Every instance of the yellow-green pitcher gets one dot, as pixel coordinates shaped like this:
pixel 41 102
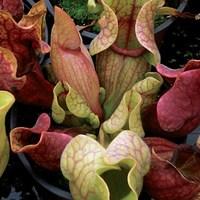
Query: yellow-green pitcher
pixel 6 101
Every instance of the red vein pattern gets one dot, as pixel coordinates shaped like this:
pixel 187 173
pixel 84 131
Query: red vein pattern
pixel 145 27
pixel 71 61
pixel 117 74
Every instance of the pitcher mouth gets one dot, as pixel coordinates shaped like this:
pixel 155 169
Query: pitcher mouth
pixel 6 99
pixel 21 140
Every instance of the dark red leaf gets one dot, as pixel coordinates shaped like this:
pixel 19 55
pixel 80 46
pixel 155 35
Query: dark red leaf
pixel 171 74
pixel 43 146
pixel 177 112
pixel 15 8
pixel 187 161
pixel 37 90
pixel 164 181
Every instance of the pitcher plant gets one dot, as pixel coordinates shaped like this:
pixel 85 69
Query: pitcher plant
pixel 106 104
pixel 6 101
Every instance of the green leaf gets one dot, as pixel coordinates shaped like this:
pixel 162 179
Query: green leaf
pixel 149 87
pixel 117 74
pixel 126 146
pixel 126 12
pixel 117 183
pixel 79 163
pixel 109 30
pixel 58 111
pixel 124 151
pixel 6 101
pixel 144 27
pixel 68 107
pixel 119 118
pixel 114 173
pixel 124 63
pixel 168 11
pixel 135 121
pixel 128 113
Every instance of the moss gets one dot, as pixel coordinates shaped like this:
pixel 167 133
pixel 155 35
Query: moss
pixel 159 20
pixel 78 10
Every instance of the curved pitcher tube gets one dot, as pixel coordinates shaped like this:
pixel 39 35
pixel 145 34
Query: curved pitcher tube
pixel 6 101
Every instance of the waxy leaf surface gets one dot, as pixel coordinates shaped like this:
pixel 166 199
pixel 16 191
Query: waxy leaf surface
pixel 79 162
pixel 126 12
pixel 95 172
pixel 72 62
pixel 167 73
pixel 148 88
pixel 126 146
pixel 36 16
pixel 172 74
pixel 131 102
pixel 187 160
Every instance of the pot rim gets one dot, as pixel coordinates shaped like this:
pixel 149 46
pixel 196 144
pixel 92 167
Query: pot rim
pixel 169 21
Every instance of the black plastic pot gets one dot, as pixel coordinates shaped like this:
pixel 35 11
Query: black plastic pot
pixel 29 115
pixel 161 29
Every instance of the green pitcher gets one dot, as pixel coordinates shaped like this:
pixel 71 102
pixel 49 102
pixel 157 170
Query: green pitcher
pixel 6 101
